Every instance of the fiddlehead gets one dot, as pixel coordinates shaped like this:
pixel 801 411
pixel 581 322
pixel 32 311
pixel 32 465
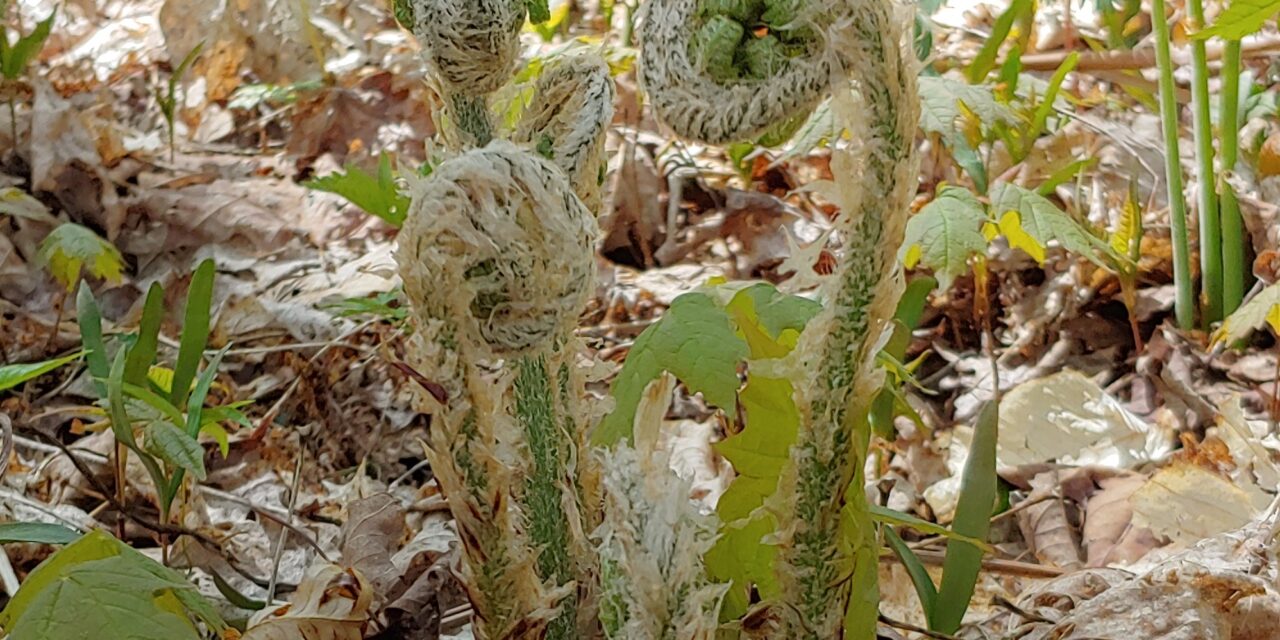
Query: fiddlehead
pixel 497 258
pixel 566 120
pixel 471 48
pixel 826 541
pixel 712 77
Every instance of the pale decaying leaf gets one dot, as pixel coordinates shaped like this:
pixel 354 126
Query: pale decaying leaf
pixel 1109 535
pixel 332 603
pixel 1068 418
pixel 1253 447
pixel 1187 503
pixel 1223 588
pixel 1046 524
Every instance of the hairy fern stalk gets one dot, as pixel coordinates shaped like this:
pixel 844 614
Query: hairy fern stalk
pixel 497 257
pixel 827 558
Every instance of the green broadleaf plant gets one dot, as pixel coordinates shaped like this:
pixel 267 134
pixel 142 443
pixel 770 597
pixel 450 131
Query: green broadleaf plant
pixel 71 248
pixel 169 408
pixel 379 195
pixel 99 587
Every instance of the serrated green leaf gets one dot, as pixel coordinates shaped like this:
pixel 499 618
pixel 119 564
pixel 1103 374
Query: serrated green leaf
pixel 1010 226
pixel 98 587
pixel 940 100
pixel 1042 220
pixel 37 532
pixel 695 341
pixel 1242 18
pixel 16 57
pixel 166 441
pixel 978 490
pixel 1252 315
pixel 378 195
pixel 13 375
pixel 70 248
pixel 947 232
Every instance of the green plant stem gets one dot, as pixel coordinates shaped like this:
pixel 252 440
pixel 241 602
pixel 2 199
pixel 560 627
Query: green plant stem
pixel 1207 193
pixel 1184 303
pixel 1234 268
pixel 544 499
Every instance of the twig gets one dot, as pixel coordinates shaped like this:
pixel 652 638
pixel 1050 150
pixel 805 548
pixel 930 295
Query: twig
pixel 284 533
pixel 907 626
pixel 6 443
pixel 1139 59
pixel 991 565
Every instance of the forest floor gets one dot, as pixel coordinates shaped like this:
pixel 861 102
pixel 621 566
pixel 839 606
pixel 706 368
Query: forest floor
pixel 1123 440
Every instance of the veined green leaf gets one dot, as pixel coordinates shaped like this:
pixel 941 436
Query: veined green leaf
pixel 70 248
pixel 1042 221
pixel 378 195
pixel 696 342
pixel 978 487
pixel 945 234
pixel 13 375
pixel 940 100
pixel 1242 18
pixel 98 587
pixel 1251 316
pixel 166 441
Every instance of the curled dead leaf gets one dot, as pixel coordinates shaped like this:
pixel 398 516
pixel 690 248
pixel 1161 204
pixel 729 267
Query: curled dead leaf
pixel 332 603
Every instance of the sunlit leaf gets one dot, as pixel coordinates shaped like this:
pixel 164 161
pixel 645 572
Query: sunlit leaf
pixel 945 233
pixel 1242 18
pixel 71 248
pixel 1252 315
pixel 12 375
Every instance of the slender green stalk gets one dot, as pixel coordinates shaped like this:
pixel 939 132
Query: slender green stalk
pixel 1234 269
pixel 1207 194
pixel 13 123
pixel 1184 303
pixel 550 448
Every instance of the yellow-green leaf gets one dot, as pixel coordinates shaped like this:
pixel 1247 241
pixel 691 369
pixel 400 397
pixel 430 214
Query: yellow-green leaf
pixel 71 248
pixel 946 233
pixel 1242 18
pixel 1252 315
pixel 1010 226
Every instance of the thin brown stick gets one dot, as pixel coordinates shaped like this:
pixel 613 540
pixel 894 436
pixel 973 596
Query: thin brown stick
pixel 990 565
pixel 907 626
pixel 1140 59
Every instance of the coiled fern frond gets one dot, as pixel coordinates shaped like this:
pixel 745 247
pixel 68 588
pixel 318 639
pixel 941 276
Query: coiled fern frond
pixel 712 77
pixel 497 258
pixel 566 120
